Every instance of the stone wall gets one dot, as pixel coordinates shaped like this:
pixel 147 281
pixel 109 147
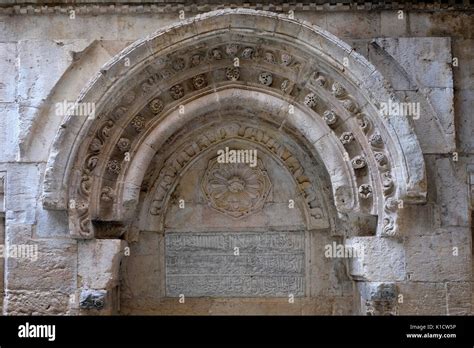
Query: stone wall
pixel 49 57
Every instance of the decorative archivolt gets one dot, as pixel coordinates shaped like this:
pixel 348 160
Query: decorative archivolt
pixel 291 70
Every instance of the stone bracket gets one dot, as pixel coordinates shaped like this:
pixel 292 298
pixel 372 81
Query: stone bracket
pixel 92 299
pixel 378 298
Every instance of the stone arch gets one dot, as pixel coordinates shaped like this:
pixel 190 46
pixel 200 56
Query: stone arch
pixel 334 92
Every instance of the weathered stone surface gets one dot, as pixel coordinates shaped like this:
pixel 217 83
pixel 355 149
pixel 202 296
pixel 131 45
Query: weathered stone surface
pixel 54 260
pixel 23 190
pixel 422 76
pixel 438 258
pixel 382 259
pixel 458 25
pixel 34 302
pixel 99 263
pixel 43 58
pixel 421 298
pixel 419 220
pixel 9 132
pixel 464 71
pixel 393 23
pixel 451 188
pixel 350 25
pixel 464 104
pixel 432 66
pixel 8 71
pixel 459 298
pixel 52 224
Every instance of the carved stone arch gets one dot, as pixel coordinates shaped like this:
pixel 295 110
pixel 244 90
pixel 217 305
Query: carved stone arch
pixel 301 96
pixel 289 64
pixel 335 109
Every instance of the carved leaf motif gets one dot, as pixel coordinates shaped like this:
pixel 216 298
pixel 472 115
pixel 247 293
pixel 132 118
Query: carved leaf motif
pixel 286 86
pixel 247 53
pixel 376 140
pixel 338 90
pixel 365 191
pixel 107 194
pixel 388 226
pixel 95 145
pixel 381 159
pixel 387 182
pixel 232 49
pixel 85 186
pixel 216 54
pixel 104 131
pixel 91 162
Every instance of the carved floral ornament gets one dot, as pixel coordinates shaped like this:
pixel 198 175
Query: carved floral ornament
pixel 236 189
pixel 283 65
